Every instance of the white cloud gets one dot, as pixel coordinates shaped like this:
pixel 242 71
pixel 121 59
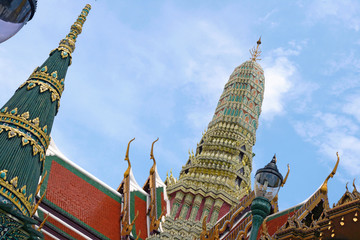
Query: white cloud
pixel 267 19
pixel 352 106
pixel 344 13
pixel 333 133
pixel 278 73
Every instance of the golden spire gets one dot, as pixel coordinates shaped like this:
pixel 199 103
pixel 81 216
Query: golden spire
pixel 255 52
pixel 68 43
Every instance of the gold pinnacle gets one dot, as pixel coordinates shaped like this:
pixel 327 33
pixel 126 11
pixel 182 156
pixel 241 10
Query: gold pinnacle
pixel 255 52
pixel 68 43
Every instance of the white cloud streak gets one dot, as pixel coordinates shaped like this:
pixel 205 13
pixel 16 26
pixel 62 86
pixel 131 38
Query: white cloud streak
pixel 344 13
pixel 333 133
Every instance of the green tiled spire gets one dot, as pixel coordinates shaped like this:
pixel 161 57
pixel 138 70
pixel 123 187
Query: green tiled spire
pixel 26 121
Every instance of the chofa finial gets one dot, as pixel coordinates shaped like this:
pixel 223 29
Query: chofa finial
pixel 324 188
pixel 152 170
pixel 68 43
pixel 152 151
pixel 127 172
pixel 255 52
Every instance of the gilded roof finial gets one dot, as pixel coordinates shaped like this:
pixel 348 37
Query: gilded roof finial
pixel 152 170
pixel 354 185
pixel 127 172
pixel 323 188
pixel 68 43
pixel 255 52
pixel 287 174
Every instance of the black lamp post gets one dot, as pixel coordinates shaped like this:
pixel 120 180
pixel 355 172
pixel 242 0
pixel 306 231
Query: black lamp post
pixel 267 184
pixel 14 14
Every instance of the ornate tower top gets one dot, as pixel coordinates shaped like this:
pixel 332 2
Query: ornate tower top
pixel 26 121
pixel 68 43
pixel 255 52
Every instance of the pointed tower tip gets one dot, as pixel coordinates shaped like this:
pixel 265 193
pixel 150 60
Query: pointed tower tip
pixel 68 43
pixel 274 158
pixel 255 52
pixel 259 41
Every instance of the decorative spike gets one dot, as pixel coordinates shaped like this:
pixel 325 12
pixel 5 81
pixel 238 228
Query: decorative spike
pixel 14 181
pixel 30 86
pixel 41 182
pixel 68 43
pixel 25 115
pixel 44 69
pixel 43 88
pixel 11 134
pixel 4 109
pixel 35 150
pixel 14 111
pixel 54 97
pixel 3 174
pixel 54 74
pixel 25 141
pixel 45 129
pixel 23 190
pixel 37 204
pixel 43 222
pixel 36 122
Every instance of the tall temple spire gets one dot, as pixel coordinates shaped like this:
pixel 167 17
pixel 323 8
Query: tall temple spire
pixel 218 175
pixel 26 121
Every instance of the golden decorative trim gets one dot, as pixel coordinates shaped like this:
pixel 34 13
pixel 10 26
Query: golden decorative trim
pixel 37 149
pixel 15 195
pixel 30 126
pixel 43 87
pixel 50 79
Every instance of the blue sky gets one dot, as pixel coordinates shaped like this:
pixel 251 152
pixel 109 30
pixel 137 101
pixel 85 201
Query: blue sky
pixel 156 69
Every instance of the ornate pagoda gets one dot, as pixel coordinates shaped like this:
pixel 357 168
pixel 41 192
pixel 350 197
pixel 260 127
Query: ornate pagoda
pixel 26 121
pixel 217 176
